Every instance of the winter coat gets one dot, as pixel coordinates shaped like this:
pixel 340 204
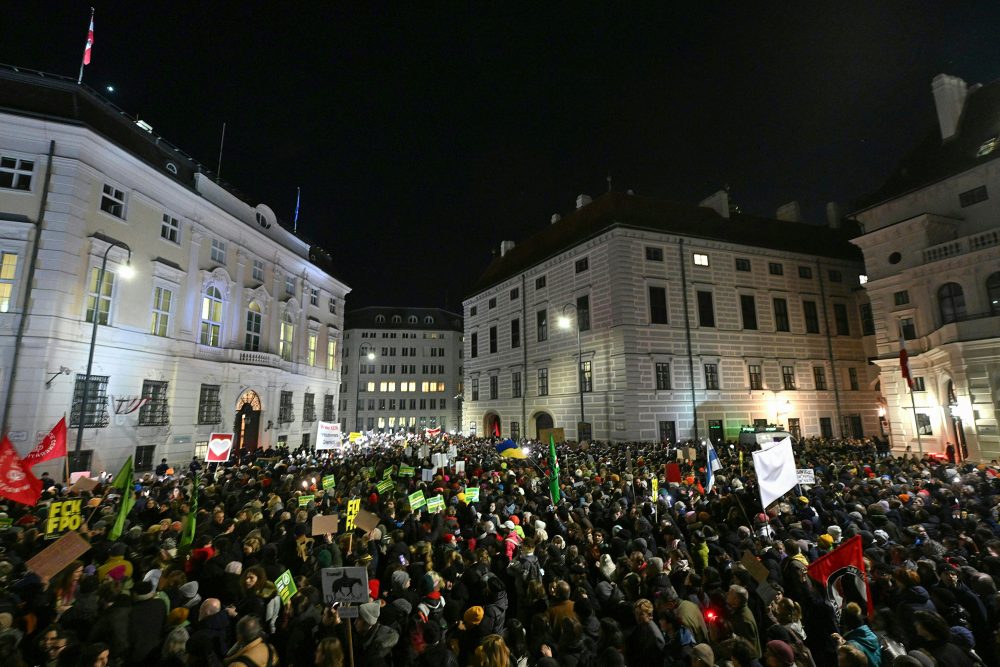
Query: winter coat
pixel 145 629
pixel 645 646
pixel 495 615
pixel 745 626
pixel 864 639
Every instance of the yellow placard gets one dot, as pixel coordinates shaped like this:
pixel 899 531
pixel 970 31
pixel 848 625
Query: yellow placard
pixel 353 507
pixel 354 437
pixel 64 515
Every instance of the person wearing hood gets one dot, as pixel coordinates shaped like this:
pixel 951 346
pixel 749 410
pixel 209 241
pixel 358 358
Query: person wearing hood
pixel 116 566
pixel 858 634
pixel 495 609
pixel 373 641
pixel 146 623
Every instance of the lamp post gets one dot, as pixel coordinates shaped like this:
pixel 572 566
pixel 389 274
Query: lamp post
pixel 357 385
pixel 564 323
pixel 126 272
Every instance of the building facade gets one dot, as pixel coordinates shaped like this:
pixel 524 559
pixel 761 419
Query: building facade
pixel 402 370
pixel 230 323
pixel 931 240
pixel 684 322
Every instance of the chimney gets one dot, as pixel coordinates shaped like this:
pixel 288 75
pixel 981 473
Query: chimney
pixel 555 218
pixel 833 215
pixel 582 201
pixel 719 202
pixel 790 212
pixel 949 98
pixel 506 247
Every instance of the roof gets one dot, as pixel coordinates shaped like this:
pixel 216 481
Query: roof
pixel 367 318
pixel 935 160
pixel 616 209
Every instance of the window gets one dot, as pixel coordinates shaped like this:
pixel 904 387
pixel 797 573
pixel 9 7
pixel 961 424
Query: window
pixel 8 272
pixel 988 146
pixel 540 282
pixel 218 251
pixel 251 342
pixel 515 384
pixel 852 378
pixel 412 319
pixel 658 305
pixel 992 293
pixel 811 315
pixel 775 269
pixel 835 276
pixel 542 326
pixel 918 384
pixel 494 387
pixel 161 311
pixel 170 229
pixel 515 430
pixel 840 319
pixel 742 264
pixel 113 201
pixel 209 405
pixel 211 317
pixel 700 259
pixel 380 319
pixel 788 377
pixel 100 299
pixel 311 352
pixel 515 333
pixel 313 296
pixel 583 313
pixel 95 414
pixel 492 303
pixel 781 315
pixel 901 298
pixel 756 380
pixel 493 340
pixel 907 328
pixel 475 389
pixel 290 285
pixel 286 335
pixel 586 376
pixel 973 196
pixel 951 301
pixel 663 375
pixel 154 412
pixel 309 407
pixel 515 294
pixel 285 414
pixel 332 306
pixel 144 458
pixel 711 376
pixel 582 264
pixel 258 271
pixel 15 173
pixel 924 424
pixel 331 353
pixel 654 254
pixel 706 309
pixel 474 342
pixel 328 408
pixel 867 319
pixel 543 381
pixel 819 378
pixel 748 307
pixel 826 427
pixel 805 272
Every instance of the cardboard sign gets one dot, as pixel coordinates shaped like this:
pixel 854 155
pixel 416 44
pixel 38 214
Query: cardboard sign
pixel 346 585
pixel 385 486
pixel 353 507
pixel 286 586
pixel 406 471
pixel 328 436
pixel 84 484
pixel 73 476
pixel 366 521
pixel 325 523
pixel 329 482
pixel 220 446
pixel 806 475
pixel 472 494
pixel 435 504
pixel 417 500
pixel 556 433
pixel 305 500
pixel 753 566
pixel 58 555
pixel 63 515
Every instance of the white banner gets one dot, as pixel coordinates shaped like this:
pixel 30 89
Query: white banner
pixel 328 435
pixel 776 473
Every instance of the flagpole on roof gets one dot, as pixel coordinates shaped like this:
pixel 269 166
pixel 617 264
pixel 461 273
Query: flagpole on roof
pixel 87 47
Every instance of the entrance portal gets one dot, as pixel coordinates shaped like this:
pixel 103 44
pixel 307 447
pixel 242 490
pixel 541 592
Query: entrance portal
pixel 543 420
pixel 491 425
pixel 246 429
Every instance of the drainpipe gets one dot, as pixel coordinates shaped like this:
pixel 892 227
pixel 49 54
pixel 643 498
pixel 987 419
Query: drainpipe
pixel 829 348
pixel 687 334
pixel 30 279
pixel 524 355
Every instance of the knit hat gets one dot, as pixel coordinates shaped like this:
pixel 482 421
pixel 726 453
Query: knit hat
pixel 825 542
pixel 189 595
pixel 153 577
pixel 781 651
pixel 473 616
pixel 178 616
pixel 400 580
pixel 369 612
pixel 143 590
pixel 704 653
pixel 835 532
pixel 426 584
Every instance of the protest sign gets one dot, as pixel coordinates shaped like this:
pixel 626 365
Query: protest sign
pixel 305 500
pixel 353 437
pixel 73 476
pixel 329 482
pixel 353 507
pixel 328 436
pixel 55 557
pixel 63 515
pixel 84 484
pixel 385 486
pixel 286 586
pixel 366 521
pixel 805 475
pixel 753 566
pixel 345 585
pixel 435 504
pixel 459 467
pixel 427 475
pixel 220 445
pixel 472 494
pixel 417 500
pixel 406 471
pixel 325 523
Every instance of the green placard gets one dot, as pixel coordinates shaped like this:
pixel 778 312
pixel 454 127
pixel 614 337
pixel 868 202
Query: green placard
pixel 329 482
pixel 388 473
pixel 417 500
pixel 472 494
pixel 385 486
pixel 435 504
pixel 286 586
pixel 6 522
pixel 305 500
pixel 406 471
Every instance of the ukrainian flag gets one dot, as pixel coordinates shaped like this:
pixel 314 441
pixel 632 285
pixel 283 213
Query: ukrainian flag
pixel 509 449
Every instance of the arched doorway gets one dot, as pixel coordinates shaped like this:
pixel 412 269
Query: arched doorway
pixel 543 420
pixel 491 425
pixel 246 429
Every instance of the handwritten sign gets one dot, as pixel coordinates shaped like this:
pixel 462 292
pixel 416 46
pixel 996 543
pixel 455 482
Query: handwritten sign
pixel 286 586
pixel 417 500
pixel 806 475
pixel 353 507
pixel 345 585
pixel 63 515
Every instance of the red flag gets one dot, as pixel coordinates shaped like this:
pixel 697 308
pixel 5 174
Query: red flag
pixel 16 481
pixel 90 40
pixel 52 446
pixel 673 472
pixel 496 428
pixel 842 573
pixel 904 362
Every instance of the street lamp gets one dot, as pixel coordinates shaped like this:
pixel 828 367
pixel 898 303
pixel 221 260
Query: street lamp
pixel 564 323
pixel 357 385
pixel 125 272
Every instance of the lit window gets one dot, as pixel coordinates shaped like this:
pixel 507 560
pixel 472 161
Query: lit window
pixel 258 270
pixel 287 335
pixel 211 317
pixel 331 354
pixel 161 311
pixel 99 299
pixel 312 349
pixel 988 146
pixel 8 271
pixel 15 173
pixel 218 253
pixel 113 201
pixel 700 259
pixel 170 229
pixel 862 279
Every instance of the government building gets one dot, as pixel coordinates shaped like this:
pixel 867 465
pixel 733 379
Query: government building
pixel 402 370
pixel 211 316
pixel 931 241
pixel 634 319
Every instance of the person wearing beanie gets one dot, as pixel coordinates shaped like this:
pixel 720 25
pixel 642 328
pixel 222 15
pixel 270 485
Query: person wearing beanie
pixel 116 566
pixel 373 641
pixel 824 543
pixel 779 654
pixel 702 656
pixel 146 622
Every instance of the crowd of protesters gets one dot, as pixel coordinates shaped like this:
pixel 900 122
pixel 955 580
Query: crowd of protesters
pixel 608 575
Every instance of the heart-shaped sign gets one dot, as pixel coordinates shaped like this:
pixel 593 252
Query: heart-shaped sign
pixel 218 447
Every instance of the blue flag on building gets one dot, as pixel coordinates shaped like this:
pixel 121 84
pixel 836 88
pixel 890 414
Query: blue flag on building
pixel 712 464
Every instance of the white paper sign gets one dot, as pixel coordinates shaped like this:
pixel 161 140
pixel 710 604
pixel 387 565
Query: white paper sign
pixel 427 475
pixel 459 467
pixel 328 435
pixel 806 475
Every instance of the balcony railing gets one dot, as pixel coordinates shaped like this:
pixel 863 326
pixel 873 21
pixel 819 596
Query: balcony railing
pixel 239 356
pixel 962 246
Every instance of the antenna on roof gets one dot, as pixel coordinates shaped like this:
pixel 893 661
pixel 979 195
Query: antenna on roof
pixel 222 142
pixel 298 198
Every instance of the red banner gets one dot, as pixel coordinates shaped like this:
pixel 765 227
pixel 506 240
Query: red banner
pixel 52 446
pixel 842 573
pixel 16 481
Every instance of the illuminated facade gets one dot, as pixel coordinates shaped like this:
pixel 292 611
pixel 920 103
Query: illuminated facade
pixel 231 323
pixel 693 321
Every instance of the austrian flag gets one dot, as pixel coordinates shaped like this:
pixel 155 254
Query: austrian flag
pixel 904 362
pixel 90 40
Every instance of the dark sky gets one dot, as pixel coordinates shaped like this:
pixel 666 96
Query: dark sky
pixel 423 135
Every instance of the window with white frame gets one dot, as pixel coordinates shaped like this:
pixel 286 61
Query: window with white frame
pixel 313 339
pixel 8 272
pixel 331 353
pixel 251 342
pixel 313 296
pixel 287 335
pixel 258 270
pixel 333 306
pixel 211 317
pixel 15 173
pixel 218 251
pixel 113 201
pixel 289 284
pixel 162 300
pixel 700 259
pixel 99 300
pixel 170 229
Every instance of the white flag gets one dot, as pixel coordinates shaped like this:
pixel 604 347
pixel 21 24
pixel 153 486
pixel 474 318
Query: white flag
pixel 712 465
pixel 776 474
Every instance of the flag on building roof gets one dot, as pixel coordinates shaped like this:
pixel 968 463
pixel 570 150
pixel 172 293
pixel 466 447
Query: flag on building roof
pixel 90 39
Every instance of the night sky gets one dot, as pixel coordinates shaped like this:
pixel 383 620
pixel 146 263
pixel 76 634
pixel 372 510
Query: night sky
pixel 423 135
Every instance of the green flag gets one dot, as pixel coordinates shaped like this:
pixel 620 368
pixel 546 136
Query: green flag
pixel 187 537
pixel 554 462
pixel 123 481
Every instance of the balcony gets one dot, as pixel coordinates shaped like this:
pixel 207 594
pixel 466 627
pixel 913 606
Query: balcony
pixel 962 246
pixel 968 328
pixel 225 355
